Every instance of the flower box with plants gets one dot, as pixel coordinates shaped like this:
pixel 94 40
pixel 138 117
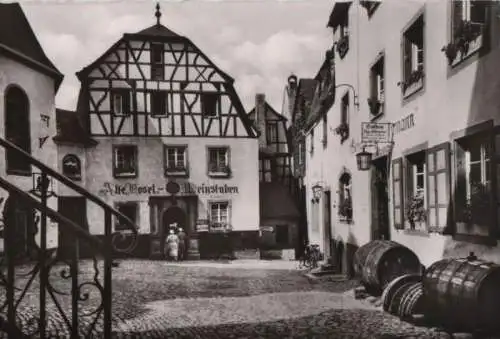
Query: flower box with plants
pixel 342 130
pixel 375 106
pixel 219 170
pixel 416 213
pixel 343 45
pixel 467 39
pixel 345 209
pixel 477 208
pixel 413 82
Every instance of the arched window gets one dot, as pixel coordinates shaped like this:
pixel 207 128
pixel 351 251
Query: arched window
pixel 345 198
pixel 17 130
pixel 71 167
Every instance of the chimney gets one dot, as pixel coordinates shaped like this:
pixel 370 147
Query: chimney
pixel 260 117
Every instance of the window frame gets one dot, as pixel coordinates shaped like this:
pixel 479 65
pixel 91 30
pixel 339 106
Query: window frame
pixel 125 95
pixel 204 96
pixel 119 227
pixel 228 214
pixel 342 199
pixel 219 173
pixel 376 101
pixel 76 176
pixel 413 78
pixel 272 126
pixel 157 65
pixel 117 174
pixel 175 171
pixel 345 109
pixel 156 95
pixel 410 184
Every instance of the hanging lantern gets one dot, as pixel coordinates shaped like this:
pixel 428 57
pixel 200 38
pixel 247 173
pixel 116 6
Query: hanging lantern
pixel 364 160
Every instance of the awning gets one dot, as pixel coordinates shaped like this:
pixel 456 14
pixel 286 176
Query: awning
pixel 276 202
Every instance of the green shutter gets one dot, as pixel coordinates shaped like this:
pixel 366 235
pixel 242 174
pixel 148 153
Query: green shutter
pixel 397 193
pixel 438 189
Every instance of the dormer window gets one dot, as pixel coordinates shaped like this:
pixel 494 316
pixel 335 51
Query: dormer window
pixel 157 62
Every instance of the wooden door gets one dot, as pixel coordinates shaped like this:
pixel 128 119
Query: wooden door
pixel 75 209
pixel 380 200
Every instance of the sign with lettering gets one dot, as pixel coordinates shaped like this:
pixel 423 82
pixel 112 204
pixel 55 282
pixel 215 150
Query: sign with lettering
pixel 404 124
pixel 154 189
pixel 375 132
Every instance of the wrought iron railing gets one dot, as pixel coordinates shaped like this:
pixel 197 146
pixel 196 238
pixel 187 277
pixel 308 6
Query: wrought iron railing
pixel 64 286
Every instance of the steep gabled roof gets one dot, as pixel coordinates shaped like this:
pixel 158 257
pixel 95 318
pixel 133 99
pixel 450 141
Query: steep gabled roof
pixel 270 108
pixel 70 130
pixel 305 89
pixel 18 41
pixel 157 30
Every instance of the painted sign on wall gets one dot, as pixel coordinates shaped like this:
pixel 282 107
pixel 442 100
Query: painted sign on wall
pixel 404 124
pixel 375 132
pixel 154 189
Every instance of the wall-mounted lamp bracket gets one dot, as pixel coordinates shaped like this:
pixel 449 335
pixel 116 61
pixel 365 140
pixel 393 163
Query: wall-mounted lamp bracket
pixel 355 96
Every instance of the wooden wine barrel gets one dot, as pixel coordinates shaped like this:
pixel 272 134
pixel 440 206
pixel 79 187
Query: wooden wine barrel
pixel 463 294
pixel 394 285
pixel 380 261
pixel 412 301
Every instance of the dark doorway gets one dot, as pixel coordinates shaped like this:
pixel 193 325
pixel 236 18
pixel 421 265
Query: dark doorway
pixel 173 215
pixel 380 199
pixel 20 229
pixel 17 130
pixel 327 225
pixel 75 209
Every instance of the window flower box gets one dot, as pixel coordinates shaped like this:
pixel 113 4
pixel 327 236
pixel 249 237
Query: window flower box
pixel 416 212
pixel 467 39
pixel 343 46
pixel 219 171
pixel 343 131
pixel 414 82
pixel 375 106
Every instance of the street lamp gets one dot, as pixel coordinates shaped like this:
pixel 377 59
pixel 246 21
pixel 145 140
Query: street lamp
pixel 317 190
pixel 364 160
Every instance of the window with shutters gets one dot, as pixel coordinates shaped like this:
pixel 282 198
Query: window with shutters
pixel 377 88
pixel 473 194
pixel 121 102
pixel 469 21
pixel 176 160
pixel 413 58
pixel 157 62
pixel 438 188
pixel 416 206
pixel 125 162
pixel 159 103
pixel 218 162
pixel 128 209
pixel 397 193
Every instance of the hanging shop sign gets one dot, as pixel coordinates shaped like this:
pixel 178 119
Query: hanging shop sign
pixel 185 188
pixel 373 132
pixel 404 124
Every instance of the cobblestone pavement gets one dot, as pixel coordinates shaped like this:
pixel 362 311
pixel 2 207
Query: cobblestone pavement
pixel 154 299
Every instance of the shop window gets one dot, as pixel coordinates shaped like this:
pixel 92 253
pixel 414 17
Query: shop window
pixel 17 130
pixel 345 198
pixel 469 20
pixel 219 215
pixel 473 197
pixel 157 62
pixel 218 162
pixel 209 104
pixel 413 58
pixel 416 207
pixel 282 235
pixel 72 167
pixel 176 160
pixel 125 164
pixel 159 103
pixel 121 102
pixel 128 209
pixel 377 88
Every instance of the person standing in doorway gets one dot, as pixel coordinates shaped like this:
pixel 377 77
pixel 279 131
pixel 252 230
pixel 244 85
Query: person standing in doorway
pixel 172 247
pixel 182 244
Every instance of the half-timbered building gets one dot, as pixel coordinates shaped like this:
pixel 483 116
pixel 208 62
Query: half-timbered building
pixel 165 138
pixel 279 216
pixel 28 84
